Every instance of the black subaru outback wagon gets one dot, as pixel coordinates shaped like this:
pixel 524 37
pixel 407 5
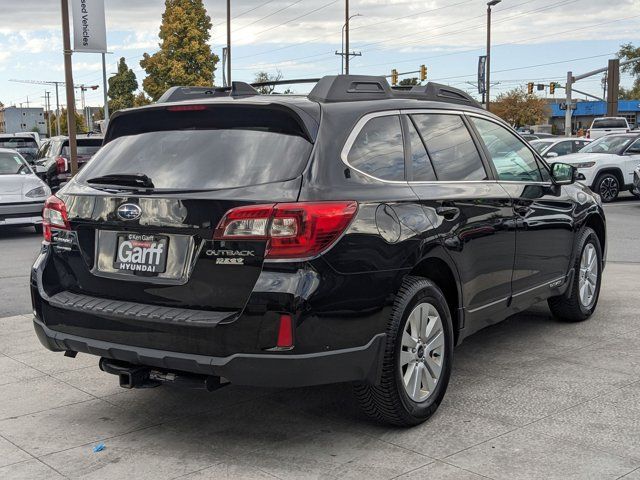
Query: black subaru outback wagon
pixel 352 235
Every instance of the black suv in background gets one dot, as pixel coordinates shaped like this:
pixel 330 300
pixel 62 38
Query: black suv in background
pixel 53 163
pixel 352 235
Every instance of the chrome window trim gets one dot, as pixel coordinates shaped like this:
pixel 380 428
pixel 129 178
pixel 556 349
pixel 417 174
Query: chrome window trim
pixel 351 139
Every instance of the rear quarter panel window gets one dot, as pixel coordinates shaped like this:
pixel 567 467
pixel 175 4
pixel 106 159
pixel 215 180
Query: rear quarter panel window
pixel 378 149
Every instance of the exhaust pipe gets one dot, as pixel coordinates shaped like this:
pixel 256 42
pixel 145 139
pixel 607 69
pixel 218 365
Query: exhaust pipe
pixel 137 376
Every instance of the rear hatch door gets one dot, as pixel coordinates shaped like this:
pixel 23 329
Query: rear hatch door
pixel 150 241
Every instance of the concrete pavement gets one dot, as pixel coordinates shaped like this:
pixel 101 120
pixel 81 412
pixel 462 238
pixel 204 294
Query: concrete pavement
pixel 530 398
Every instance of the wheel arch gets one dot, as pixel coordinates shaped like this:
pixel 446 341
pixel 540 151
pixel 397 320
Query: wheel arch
pixel 445 276
pixel 617 172
pixel 596 223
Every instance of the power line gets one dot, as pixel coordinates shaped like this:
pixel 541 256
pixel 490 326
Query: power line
pixel 267 16
pixel 298 17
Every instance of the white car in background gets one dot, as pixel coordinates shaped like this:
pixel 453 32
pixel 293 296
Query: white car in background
pixel 608 164
pixel 607 126
pixel 22 193
pixel 558 146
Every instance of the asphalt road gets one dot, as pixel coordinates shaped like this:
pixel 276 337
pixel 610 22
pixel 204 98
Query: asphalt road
pixel 19 247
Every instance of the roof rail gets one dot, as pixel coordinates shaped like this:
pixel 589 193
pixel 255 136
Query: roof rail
pixel 346 88
pixel 442 93
pixel 331 88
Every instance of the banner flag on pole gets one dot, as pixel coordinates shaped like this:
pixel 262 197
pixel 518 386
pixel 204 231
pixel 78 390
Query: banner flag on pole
pixel 89 30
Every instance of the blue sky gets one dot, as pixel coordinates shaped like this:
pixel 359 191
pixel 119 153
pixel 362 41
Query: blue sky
pixel 534 40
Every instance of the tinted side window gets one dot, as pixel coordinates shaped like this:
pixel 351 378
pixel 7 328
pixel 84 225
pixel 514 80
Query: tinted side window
pixel 510 156
pixel 562 148
pixel 422 168
pixel 378 149
pixel 450 146
pixel 579 144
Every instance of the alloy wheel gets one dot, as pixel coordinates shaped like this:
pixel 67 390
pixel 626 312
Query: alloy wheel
pixel 422 352
pixel 609 188
pixel 588 280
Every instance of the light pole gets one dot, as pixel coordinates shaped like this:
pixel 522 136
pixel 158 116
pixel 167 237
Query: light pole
pixel 345 54
pixel 490 4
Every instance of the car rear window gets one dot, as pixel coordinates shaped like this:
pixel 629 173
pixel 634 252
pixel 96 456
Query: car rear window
pixel 85 150
pixel 609 123
pixel 203 150
pixel 18 142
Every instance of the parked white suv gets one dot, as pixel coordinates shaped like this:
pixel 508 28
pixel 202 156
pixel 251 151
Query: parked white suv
pixel 608 164
pixel 606 126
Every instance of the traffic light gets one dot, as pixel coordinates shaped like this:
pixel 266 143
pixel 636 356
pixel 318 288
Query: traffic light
pixel 423 73
pixel 530 88
pixel 394 77
pixel 552 88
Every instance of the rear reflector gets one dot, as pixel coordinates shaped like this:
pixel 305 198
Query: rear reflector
pixel 285 332
pixel 186 108
pixel 54 216
pixel 292 230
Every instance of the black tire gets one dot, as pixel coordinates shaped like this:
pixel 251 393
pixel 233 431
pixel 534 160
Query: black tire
pixel 569 307
pixel 607 185
pixel 388 402
pixel 635 192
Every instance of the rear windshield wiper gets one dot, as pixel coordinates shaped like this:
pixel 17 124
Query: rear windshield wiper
pixel 139 180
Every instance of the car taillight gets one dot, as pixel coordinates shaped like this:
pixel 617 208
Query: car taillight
pixel 54 216
pixel 292 230
pixel 61 164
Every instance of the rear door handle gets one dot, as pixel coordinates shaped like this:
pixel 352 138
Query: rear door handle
pixel 448 211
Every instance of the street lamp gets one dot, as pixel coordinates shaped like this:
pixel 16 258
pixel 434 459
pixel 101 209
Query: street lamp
pixel 490 4
pixel 344 54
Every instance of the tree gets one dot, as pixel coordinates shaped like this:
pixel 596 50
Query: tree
pixel 267 77
pixel 140 100
pixel 407 82
pixel 64 130
pixel 185 57
pixel 121 87
pixel 519 109
pixel 628 52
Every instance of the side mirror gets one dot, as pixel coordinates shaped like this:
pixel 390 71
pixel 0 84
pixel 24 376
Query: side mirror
pixel 563 173
pixel 551 155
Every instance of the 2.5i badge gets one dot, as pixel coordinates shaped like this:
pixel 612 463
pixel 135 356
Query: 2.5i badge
pixel 139 253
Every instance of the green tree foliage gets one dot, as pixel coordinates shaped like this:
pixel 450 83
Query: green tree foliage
pixel 627 52
pixel 121 87
pixel 185 57
pixel 519 109
pixel 141 100
pixel 64 130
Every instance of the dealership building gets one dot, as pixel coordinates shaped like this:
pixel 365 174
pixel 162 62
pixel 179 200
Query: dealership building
pixel 586 111
pixel 16 119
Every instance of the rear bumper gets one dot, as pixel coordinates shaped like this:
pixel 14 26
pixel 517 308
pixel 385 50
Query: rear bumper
pixel 28 213
pixel 261 370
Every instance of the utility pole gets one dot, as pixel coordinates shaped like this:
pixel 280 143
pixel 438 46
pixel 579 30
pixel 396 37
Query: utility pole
pixel 57 110
pixel 104 88
pixel 47 110
pixel 346 37
pixel 569 111
pixel 488 70
pixel 68 77
pixel 228 42
pixel 613 87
